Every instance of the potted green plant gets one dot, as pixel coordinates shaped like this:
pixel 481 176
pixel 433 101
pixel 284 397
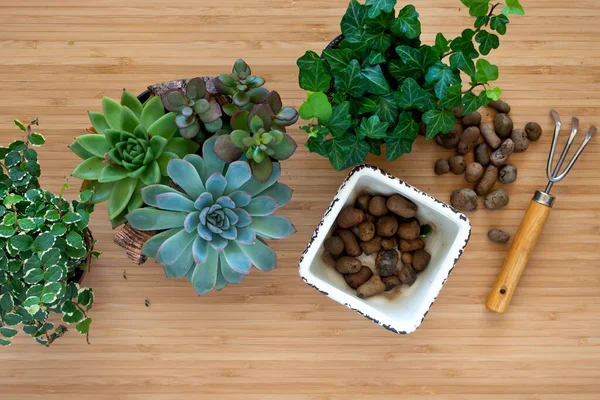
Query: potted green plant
pixel 137 144
pixel 46 248
pixel 377 83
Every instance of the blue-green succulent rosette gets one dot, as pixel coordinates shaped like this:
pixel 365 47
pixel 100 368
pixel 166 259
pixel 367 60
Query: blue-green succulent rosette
pixel 214 223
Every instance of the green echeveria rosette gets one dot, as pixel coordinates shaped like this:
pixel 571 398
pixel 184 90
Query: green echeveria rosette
pixel 244 88
pixel 215 222
pixel 130 149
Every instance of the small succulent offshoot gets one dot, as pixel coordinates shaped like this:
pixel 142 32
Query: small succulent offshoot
pixel 244 88
pixel 214 222
pixel 128 148
pixel 194 110
pixel 43 248
pixel 258 138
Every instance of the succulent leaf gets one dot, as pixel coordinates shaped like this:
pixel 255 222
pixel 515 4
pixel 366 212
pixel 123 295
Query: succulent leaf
pixel 98 121
pixel 153 110
pixel 272 227
pixel 195 89
pixel 204 277
pixel 285 149
pixel 130 101
pixel 110 173
pixel 89 169
pixel 129 121
pixel 274 101
pixel 174 100
pixel 261 206
pixel 94 143
pixel 227 272
pixel 112 112
pixel 261 170
pixel 261 255
pixel 174 247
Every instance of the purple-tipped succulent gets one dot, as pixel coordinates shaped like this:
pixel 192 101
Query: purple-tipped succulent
pixel 256 136
pixel 194 109
pixel 213 224
pixel 244 88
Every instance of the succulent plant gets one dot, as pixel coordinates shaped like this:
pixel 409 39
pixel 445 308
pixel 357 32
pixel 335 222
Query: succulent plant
pixel 214 222
pixel 255 136
pixel 129 148
pixel 194 108
pixel 244 88
pixel 44 246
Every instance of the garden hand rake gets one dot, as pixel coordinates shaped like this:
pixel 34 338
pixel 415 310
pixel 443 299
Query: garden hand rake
pixel 534 220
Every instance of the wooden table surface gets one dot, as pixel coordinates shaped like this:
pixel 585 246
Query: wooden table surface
pixel 273 337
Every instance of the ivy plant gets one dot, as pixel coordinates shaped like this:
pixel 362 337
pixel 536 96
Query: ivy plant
pixel 382 83
pixel 43 248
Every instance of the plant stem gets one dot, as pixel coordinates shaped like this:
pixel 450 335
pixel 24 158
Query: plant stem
pixel 490 15
pixel 447 54
pixel 473 87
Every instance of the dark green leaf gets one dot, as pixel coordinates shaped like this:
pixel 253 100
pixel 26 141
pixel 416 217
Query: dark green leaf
pixel 12 319
pixel 33 276
pixel 442 45
pixel 86 196
pixel 337 59
pixel 373 81
pixel 372 128
pixel 8 332
pixel 51 257
pixel 499 23
pixel 376 58
pixel 443 77
pixel 12 158
pixel 27 224
pixel 487 42
pixel 315 145
pixel 401 71
pixel 472 102
pixel 314 75
pixel 339 122
pixel 387 110
pixel 4 342
pixel 464 44
pixel 349 81
pixel 74 240
pixel 354 18
pixel 357 153
pixel 20 125
pixel 337 154
pixel 482 21
pixel 71 218
pixel 459 61
pixel 453 97
pixel 477 8
pixel 407 24
pixel 58 229
pixel 412 96
pixel 72 318
pixel 377 6
pixel 438 121
pixel 30 155
pixel 43 242
pixel 6 302
pixel 401 140
pixel 366 105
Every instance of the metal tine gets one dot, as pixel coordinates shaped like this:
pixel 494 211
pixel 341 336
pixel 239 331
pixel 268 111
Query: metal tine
pixel 582 146
pixel 558 125
pixel 565 152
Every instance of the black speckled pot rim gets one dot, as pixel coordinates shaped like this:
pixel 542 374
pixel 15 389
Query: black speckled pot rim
pixel 336 199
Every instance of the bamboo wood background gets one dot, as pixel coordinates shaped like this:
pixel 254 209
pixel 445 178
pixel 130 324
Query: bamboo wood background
pixel 273 337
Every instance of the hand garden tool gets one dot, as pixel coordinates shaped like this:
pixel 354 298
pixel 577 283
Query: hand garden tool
pixel 534 220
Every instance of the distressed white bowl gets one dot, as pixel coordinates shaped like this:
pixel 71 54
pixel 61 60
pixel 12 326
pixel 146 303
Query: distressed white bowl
pixel 404 313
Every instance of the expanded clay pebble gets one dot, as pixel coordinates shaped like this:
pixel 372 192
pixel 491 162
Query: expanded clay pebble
pixel 442 167
pixel 471 119
pixel 498 236
pixel 457 165
pixel 533 131
pixel 489 134
pixel 503 125
pixel 508 174
pixel 377 206
pixel 463 200
pixel 490 176
pixel 449 140
pixel 350 217
pixel 482 154
pixel 500 156
pixel 520 138
pixel 468 140
pixel 473 172
pixel 496 200
pixel 500 106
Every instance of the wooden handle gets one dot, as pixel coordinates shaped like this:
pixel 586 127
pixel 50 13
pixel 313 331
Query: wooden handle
pixel 518 256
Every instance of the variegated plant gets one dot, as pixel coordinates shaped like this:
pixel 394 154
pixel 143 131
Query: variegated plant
pixel 128 148
pixel 214 222
pixel 43 249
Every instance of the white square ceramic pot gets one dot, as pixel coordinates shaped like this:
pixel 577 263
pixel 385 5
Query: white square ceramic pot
pixel 405 312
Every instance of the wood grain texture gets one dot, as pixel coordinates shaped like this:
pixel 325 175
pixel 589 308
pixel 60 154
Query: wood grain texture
pixel 273 337
pixel 521 249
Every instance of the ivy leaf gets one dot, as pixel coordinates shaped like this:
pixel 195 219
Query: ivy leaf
pixel 372 128
pixel 377 6
pixel 354 18
pixel 401 140
pixel 338 59
pixel 340 120
pixel 376 58
pixel 459 61
pixel 401 71
pixel 464 44
pixel 412 96
pixel 487 42
pixel 486 71
pixel 407 24
pixel 482 21
pixel 443 77
pixel 373 81
pixel 316 106
pixel 499 23
pixel 438 121
pixel 453 97
pixel 313 75
pixel 316 145
pixel 349 81
pixel 366 105
pixel 472 102
pixel 442 45
pixel 337 154
pixel 477 8
pixel 387 110
pixel 513 7
pixel 493 94
pixel 357 153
